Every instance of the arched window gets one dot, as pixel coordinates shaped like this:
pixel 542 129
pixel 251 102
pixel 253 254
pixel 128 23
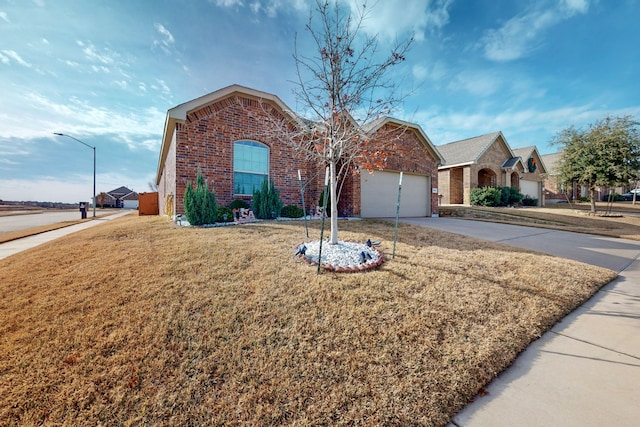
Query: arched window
pixel 250 166
pixel 486 178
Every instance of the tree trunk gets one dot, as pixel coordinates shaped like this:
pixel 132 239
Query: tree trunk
pixel 334 203
pixel 592 195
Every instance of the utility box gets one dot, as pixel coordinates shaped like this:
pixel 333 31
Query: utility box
pixel 148 203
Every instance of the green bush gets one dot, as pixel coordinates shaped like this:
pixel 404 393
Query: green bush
pixel 200 206
pixel 510 196
pixel 222 210
pixel 485 196
pixel 266 201
pixel 529 201
pixel 291 211
pixel 239 204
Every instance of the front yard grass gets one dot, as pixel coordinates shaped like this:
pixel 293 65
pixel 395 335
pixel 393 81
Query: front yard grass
pixel 138 321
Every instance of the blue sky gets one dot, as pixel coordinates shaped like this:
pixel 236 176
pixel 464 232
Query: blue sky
pixel 106 72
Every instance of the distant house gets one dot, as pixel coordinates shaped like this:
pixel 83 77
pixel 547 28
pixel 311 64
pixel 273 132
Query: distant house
pixel 121 197
pixel 487 161
pixel 535 171
pixel 554 189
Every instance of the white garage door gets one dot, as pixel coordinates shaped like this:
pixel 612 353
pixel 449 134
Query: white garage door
pixel 530 188
pixel 380 194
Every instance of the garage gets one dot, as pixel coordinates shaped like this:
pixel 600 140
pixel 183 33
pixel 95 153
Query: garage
pixel 380 194
pixel 531 189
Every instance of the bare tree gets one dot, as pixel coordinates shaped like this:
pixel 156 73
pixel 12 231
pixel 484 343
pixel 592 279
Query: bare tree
pixel 343 86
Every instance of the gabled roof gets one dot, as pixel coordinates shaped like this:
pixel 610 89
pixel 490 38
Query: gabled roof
pixel 552 162
pixel 178 114
pixel 468 151
pixel 527 152
pixel 131 196
pixel 119 192
pixel 512 163
pixel 375 125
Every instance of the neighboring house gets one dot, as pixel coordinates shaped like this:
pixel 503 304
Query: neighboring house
pixel 130 201
pixel 535 171
pixel 483 161
pixel 554 190
pixel 232 137
pixel 121 197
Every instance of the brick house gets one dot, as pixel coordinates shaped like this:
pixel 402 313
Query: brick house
pixel 554 190
pixel 534 174
pixel 121 197
pixel 231 136
pixel 488 160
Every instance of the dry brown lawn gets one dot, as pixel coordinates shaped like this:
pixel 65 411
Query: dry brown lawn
pixel 140 322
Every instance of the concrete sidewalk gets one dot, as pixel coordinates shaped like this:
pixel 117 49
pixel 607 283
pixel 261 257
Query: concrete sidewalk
pixel 15 246
pixel 586 370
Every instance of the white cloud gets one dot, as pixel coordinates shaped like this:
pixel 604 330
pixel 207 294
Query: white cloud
pixel 521 34
pixel 228 3
pixel 4 16
pixel 521 127
pixel 389 20
pixel 45 41
pixel 167 42
pixel 100 68
pixel 90 51
pixel 434 71
pixel 575 6
pixel 479 83
pixel 8 55
pixel 81 117
pixel 270 7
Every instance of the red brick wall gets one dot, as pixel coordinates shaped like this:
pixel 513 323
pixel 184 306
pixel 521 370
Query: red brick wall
pixel 404 151
pixel 205 142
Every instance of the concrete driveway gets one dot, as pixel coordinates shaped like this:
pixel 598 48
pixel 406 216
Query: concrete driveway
pixel 608 252
pixel 586 370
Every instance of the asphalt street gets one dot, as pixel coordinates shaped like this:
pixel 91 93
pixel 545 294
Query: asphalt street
pixel 23 221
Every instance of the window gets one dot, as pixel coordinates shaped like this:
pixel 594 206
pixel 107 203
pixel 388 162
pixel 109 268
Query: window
pixel 250 166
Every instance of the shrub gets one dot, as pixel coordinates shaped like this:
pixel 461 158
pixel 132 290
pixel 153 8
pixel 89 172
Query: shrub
pixel 238 204
pixel 291 211
pixel 485 196
pixel 510 196
pixel 529 201
pixel 266 201
pixel 222 210
pixel 200 206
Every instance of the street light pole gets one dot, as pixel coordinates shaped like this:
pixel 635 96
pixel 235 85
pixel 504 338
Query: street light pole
pixel 94 166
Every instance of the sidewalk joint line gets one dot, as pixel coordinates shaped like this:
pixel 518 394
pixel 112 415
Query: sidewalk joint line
pixel 597 345
pixel 528 235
